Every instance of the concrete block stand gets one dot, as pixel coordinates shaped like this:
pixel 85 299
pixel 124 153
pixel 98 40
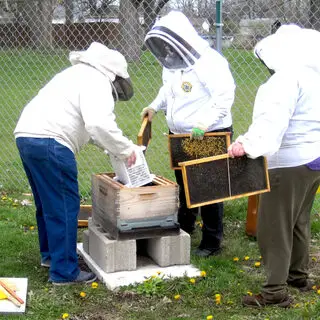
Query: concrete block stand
pixel 146 268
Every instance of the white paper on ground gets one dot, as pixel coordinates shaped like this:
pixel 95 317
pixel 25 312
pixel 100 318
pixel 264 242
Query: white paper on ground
pixel 6 306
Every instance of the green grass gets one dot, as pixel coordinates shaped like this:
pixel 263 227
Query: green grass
pixel 153 299
pixel 23 73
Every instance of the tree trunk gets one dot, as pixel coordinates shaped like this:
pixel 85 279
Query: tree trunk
pixel 314 14
pixel 130 30
pixel 37 15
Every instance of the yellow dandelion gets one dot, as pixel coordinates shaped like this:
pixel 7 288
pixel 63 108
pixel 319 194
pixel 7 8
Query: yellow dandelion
pixel 209 317
pixel 314 287
pixel 218 298
pixel 192 280
pixel 236 259
pixel 65 316
pixel 260 257
pixel 314 259
pixel 203 274
pixel 31 228
pixel 257 264
pixel 249 293
pixel 177 297
pixel 82 294
pixel 318 291
pixel 94 285
pixel 246 258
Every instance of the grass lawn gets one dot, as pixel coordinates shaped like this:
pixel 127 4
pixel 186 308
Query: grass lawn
pixel 156 298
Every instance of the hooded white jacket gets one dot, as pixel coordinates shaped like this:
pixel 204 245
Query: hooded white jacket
pixel 286 116
pixel 77 104
pixel 201 94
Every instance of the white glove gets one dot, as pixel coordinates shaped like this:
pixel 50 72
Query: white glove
pixel 148 111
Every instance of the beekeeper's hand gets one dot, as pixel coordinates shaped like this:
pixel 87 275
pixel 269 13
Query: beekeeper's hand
pixel 131 160
pixel 148 111
pixel 236 149
pixel 197 133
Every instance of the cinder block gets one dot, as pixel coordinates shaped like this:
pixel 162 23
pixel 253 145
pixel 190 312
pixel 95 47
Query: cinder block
pixel 170 250
pixel 85 241
pixel 111 255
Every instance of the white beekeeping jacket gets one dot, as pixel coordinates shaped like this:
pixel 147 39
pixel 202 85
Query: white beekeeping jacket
pixel 286 116
pixel 201 92
pixel 77 104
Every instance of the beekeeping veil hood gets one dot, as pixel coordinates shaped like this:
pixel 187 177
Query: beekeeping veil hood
pixel 109 62
pixel 175 42
pixel 289 48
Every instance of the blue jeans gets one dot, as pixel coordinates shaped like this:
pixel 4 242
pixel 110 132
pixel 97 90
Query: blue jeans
pixel 51 169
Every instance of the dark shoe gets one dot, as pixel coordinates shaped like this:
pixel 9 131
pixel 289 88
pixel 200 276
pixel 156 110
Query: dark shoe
pixel 258 301
pixel 303 285
pixel 83 278
pixel 45 263
pixel 204 253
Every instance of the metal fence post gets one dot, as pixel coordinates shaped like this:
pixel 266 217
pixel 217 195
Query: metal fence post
pixel 219 25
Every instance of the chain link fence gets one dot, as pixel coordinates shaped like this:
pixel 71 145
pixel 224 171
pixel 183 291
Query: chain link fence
pixel 37 36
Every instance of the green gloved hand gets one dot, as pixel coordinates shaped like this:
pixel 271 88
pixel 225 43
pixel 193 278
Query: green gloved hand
pixel 197 134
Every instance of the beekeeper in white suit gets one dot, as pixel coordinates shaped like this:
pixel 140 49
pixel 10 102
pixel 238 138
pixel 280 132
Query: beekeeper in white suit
pixel 76 106
pixel 286 129
pixel 196 96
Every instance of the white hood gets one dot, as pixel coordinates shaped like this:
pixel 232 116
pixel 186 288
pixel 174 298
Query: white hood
pixel 109 62
pixel 289 48
pixel 176 30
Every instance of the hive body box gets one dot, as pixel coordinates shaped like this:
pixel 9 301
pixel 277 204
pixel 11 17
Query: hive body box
pixel 136 212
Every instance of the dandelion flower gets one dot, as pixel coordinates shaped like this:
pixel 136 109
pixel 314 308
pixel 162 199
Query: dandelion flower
pixel 314 287
pixel 218 298
pixel 31 228
pixel 65 316
pixel 94 285
pixel 249 293
pixel 236 259
pixel 203 274
pixel 177 297
pixel 318 291
pixel 192 280
pixel 257 264
pixel 260 257
pixel 82 294
pixel 209 317
pixel 246 258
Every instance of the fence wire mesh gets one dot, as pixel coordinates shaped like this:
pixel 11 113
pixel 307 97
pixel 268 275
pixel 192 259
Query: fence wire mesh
pixel 37 36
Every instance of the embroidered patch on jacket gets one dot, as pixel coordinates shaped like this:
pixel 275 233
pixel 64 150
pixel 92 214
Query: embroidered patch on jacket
pixel 186 86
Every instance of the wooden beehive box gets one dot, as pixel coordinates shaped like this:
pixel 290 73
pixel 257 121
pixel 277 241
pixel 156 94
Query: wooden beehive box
pixel 182 148
pixel 120 210
pixel 220 178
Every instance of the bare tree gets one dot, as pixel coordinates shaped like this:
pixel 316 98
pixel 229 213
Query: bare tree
pixel 151 9
pixel 314 14
pixel 37 15
pixel 130 29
